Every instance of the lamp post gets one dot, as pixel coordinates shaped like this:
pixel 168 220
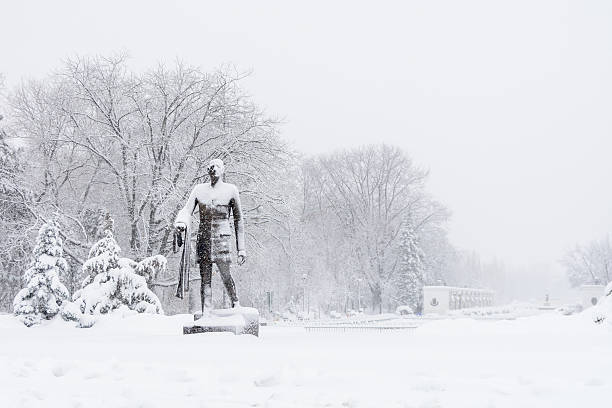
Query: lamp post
pixel 358 295
pixel 304 277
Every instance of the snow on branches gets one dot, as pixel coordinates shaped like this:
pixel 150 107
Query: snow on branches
pixel 112 282
pixel 44 294
pixel 103 256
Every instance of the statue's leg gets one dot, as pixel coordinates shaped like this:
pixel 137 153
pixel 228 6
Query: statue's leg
pixel 205 288
pixel 226 277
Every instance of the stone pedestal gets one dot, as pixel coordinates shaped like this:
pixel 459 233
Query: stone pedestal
pixel 240 320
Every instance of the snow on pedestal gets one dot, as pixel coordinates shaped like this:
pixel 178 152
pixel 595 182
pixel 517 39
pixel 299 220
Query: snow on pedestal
pixel 239 320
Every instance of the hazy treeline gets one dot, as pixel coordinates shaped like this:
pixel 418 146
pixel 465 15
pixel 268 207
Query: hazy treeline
pixel 98 146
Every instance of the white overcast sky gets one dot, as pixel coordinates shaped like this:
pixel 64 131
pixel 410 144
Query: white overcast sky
pixel 508 103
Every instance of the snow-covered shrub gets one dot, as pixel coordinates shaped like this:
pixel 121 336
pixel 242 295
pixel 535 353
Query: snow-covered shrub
pixel 570 309
pixel 44 294
pixel 404 310
pixel 149 268
pixel 119 286
pixel 112 281
pixel 103 256
pixel 603 310
pixel 71 312
pixel 86 321
pixel 335 315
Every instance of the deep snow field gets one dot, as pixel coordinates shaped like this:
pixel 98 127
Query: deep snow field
pixel 546 360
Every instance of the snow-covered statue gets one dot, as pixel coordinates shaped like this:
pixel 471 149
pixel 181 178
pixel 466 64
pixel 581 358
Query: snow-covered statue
pixel 215 201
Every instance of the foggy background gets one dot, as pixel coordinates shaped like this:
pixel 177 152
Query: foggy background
pixel 506 103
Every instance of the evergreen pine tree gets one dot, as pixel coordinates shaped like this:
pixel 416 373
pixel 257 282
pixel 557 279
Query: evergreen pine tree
pixel 411 277
pixel 44 294
pixel 112 281
pixel 95 223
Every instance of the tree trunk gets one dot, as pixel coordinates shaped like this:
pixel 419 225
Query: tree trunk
pixel 376 297
pixel 134 241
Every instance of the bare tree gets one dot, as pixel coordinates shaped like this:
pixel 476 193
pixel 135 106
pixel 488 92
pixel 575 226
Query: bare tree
pixel 15 221
pixel 589 264
pixel 367 192
pixel 136 143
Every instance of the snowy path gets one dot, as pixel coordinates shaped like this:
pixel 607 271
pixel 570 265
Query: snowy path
pixel 144 361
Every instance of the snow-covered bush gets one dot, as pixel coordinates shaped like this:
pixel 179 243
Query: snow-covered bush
pixel 335 315
pixel 404 310
pixel 119 286
pixel 112 282
pixel 103 256
pixel 570 309
pixel 71 312
pixel 603 310
pixel 44 294
pixel 149 268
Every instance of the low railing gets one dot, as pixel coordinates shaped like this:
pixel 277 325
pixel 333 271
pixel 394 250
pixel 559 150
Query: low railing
pixel 347 328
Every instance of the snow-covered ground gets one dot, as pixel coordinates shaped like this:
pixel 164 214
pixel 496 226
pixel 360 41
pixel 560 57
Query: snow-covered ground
pixel 546 360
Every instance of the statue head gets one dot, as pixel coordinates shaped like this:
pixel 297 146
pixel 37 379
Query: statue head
pixel 215 170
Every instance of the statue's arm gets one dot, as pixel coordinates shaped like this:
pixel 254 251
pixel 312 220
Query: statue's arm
pixel 184 215
pixel 238 221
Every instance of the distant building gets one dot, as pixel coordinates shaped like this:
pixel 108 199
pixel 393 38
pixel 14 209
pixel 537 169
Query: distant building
pixel 590 295
pixel 441 299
